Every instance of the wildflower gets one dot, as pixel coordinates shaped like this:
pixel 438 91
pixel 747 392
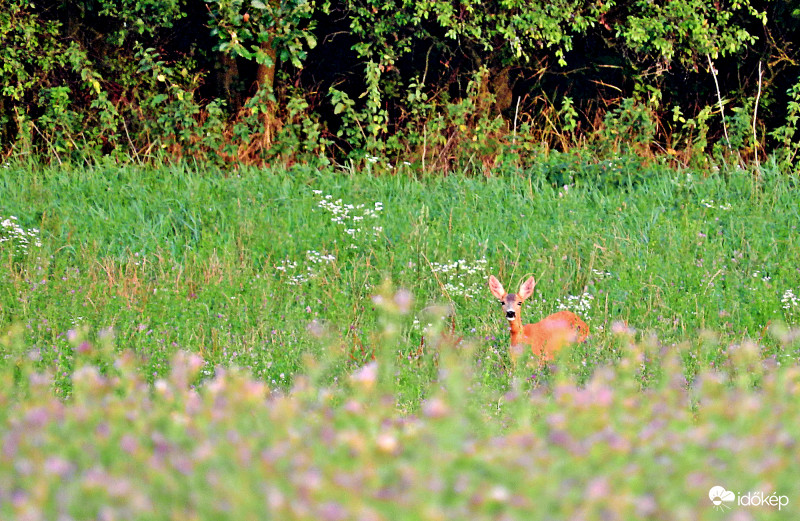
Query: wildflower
pixel 709 203
pixel 499 494
pixel 789 300
pixel 315 328
pixel 621 328
pixel 347 214
pixel 19 237
pixel 435 408
pixel 387 443
pixel 403 300
pixel 366 375
pixel 580 303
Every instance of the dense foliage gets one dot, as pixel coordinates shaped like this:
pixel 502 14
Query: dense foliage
pixel 437 84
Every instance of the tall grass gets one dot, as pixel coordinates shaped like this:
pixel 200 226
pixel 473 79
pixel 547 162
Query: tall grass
pixel 236 266
pixel 181 343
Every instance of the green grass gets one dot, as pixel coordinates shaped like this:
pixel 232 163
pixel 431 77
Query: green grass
pixel 248 269
pixel 174 258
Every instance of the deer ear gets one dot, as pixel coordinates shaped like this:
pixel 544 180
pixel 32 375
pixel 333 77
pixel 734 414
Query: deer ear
pixel 496 288
pixel 526 290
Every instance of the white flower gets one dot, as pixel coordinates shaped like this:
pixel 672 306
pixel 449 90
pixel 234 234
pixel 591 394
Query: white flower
pixel 347 214
pixel 789 300
pixel 580 303
pixel 11 231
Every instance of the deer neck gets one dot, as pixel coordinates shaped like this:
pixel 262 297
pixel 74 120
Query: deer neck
pixel 516 330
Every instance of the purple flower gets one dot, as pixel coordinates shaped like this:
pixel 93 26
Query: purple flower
pixel 57 466
pixel 332 511
pixel 128 443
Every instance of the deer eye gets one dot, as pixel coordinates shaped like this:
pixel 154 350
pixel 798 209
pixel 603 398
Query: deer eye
pixel 519 303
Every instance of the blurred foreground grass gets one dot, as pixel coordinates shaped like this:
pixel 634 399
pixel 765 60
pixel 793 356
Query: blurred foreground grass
pixel 235 448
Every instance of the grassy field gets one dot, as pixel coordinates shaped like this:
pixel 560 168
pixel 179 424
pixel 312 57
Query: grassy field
pixel 181 343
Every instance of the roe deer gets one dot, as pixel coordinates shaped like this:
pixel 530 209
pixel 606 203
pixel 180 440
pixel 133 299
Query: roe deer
pixel 545 337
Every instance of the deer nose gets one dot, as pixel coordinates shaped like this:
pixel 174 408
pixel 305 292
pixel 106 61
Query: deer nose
pixel 510 313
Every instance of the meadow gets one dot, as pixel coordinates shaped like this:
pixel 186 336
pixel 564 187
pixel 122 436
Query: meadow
pixel 184 342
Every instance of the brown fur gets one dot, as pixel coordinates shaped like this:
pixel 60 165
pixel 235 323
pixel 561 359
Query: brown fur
pixel 546 337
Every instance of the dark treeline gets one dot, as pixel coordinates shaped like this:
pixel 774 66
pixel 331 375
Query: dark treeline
pixel 431 85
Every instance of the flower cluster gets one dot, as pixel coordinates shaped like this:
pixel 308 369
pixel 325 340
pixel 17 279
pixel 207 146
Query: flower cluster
pixel 316 257
pixel 580 303
pixel 709 203
pixel 463 278
pixel 297 277
pixel 371 160
pixel 19 237
pixel 764 277
pixel 353 218
pixel 789 300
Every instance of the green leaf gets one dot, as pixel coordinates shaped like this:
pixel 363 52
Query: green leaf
pixel 311 41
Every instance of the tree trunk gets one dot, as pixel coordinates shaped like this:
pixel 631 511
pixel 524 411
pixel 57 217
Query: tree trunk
pixel 265 80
